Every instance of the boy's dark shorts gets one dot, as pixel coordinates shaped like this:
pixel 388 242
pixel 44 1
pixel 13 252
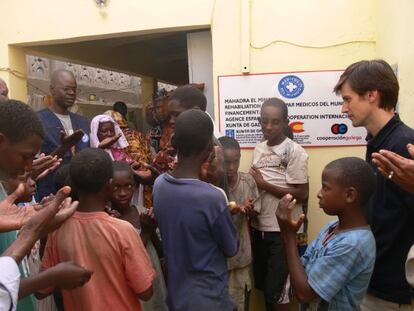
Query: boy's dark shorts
pixel 269 265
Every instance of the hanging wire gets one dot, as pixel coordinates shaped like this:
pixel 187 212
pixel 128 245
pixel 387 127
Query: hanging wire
pixel 261 47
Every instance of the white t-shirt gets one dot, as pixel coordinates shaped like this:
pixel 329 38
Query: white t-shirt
pixel 280 165
pixel 9 277
pixel 66 122
pixel 9 283
pixel 409 267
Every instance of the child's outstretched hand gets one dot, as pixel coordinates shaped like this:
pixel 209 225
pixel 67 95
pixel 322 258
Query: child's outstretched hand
pixel 12 217
pixel 69 275
pixel 284 215
pixel 52 215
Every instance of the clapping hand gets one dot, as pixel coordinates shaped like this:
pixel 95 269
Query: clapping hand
pixel 67 142
pixel 109 141
pixel 52 215
pixel 70 140
pixel 44 165
pixel 284 216
pixel 396 168
pixel 12 217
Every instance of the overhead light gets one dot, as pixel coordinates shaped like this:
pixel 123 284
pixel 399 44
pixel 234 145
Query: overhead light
pixel 102 5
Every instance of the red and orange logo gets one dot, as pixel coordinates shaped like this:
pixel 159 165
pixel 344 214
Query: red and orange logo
pixel 297 127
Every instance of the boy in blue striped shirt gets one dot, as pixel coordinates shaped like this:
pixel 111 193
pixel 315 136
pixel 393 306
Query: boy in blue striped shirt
pixel 335 270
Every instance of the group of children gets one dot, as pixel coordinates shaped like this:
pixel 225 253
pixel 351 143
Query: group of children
pixel 213 237
pixel 335 270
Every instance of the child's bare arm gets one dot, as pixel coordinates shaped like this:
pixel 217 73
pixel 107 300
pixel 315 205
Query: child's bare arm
pixel 299 191
pixel 138 269
pixel 66 275
pixel 288 227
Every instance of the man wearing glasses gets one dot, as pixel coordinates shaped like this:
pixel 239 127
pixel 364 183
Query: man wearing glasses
pixel 59 123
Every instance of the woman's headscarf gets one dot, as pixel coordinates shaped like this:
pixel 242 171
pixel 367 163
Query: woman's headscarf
pixel 139 148
pixel 102 118
pixel 117 117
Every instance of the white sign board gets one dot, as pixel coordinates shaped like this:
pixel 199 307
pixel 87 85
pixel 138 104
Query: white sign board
pixel 314 109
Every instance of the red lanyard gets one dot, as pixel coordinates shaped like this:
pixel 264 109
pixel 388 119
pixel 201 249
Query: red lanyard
pixel 329 234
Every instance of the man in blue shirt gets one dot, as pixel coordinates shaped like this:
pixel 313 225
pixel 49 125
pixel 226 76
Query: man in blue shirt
pixel 335 270
pixel 59 122
pixel 196 227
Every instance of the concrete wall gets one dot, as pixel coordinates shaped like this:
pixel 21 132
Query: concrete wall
pixel 394 44
pixel 293 36
pixel 200 64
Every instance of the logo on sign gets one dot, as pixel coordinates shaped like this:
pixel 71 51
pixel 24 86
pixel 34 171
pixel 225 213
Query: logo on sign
pixel 290 86
pixel 297 127
pixel 230 133
pixel 339 129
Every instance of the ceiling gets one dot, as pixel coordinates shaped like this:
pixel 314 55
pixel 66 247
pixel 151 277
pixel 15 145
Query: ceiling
pixel 162 56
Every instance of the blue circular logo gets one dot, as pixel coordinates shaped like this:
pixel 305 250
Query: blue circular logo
pixel 85 138
pixel 290 86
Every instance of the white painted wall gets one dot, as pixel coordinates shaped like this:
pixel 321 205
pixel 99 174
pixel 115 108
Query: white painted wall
pixel 200 64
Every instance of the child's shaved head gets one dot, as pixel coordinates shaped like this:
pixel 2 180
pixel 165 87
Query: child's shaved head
pixel 355 172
